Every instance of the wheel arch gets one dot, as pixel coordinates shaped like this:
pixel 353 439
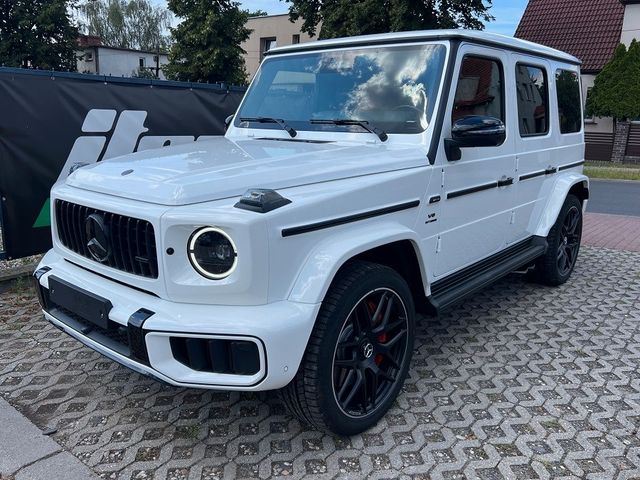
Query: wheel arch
pixel 397 248
pixel 570 184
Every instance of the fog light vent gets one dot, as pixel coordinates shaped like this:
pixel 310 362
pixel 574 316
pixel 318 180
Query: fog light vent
pixel 235 357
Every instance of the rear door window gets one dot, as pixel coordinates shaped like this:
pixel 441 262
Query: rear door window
pixel 569 107
pixel 532 93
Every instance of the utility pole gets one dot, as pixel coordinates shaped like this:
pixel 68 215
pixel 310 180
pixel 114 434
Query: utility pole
pixel 158 60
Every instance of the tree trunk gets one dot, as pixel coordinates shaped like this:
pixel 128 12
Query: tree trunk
pixel 620 140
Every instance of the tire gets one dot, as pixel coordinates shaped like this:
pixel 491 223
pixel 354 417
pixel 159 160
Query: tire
pixel 364 333
pixel 556 265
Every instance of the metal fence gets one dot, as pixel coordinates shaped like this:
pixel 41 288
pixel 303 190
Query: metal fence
pixel 50 120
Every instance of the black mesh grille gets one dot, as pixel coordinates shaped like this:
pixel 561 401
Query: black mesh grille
pixel 133 246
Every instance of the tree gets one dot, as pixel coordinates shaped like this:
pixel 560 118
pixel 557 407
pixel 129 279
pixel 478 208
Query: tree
pixel 257 13
pixel 38 34
pixel 616 93
pixel 616 89
pixel 142 72
pixel 133 24
pixel 207 42
pixel 343 18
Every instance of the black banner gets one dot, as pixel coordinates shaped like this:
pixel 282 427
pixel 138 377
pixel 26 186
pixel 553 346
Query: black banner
pixel 50 121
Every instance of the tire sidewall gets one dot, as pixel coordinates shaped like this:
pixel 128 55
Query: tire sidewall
pixel 570 202
pixel 333 415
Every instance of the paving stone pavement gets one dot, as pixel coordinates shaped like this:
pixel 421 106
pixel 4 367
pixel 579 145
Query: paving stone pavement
pixel 520 381
pixel 619 232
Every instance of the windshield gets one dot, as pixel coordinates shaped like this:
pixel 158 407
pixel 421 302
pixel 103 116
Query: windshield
pixel 391 88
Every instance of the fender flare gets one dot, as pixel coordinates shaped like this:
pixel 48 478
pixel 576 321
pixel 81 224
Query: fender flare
pixel 556 197
pixel 332 252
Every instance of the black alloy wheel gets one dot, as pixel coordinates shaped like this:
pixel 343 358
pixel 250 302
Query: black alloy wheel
pixel 371 347
pixel 359 351
pixel 569 244
pixel 563 241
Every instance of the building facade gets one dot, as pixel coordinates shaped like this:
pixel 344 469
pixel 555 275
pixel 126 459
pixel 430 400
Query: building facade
pixel 268 32
pixel 590 30
pixel 93 57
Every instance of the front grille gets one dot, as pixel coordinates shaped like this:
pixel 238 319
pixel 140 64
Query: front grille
pixel 133 246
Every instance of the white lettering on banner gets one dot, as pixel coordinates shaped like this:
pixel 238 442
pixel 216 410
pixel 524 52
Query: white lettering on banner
pixel 127 137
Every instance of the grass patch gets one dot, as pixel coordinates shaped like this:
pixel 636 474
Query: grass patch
pixel 609 171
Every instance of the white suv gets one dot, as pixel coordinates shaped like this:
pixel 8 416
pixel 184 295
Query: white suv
pixel 361 179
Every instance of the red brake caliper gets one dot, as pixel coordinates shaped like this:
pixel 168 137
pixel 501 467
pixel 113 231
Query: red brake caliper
pixel 382 338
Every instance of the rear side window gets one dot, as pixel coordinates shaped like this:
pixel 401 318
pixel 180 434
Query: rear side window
pixel 569 108
pixel 533 94
pixel 480 89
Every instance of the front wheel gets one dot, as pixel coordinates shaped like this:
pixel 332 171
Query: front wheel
pixel 359 352
pixel 556 265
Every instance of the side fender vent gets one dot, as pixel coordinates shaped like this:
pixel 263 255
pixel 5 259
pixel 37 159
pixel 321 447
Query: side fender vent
pixel 261 200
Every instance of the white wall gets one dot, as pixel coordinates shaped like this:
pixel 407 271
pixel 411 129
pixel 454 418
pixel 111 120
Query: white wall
pixel 118 62
pixel 598 124
pixel 270 26
pixel 123 63
pixel 86 60
pixel 631 23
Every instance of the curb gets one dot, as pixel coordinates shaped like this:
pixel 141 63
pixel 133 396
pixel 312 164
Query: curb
pixel 29 454
pixel 17 272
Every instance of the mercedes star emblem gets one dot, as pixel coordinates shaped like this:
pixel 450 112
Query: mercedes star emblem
pixel 97 236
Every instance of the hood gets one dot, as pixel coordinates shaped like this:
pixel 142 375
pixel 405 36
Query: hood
pixel 221 168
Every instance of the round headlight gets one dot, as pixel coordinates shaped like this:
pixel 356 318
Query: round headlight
pixel 212 253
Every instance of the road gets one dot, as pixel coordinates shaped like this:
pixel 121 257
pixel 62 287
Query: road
pixel 614 197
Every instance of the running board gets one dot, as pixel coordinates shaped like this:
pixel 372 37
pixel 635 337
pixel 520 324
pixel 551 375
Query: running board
pixel 451 289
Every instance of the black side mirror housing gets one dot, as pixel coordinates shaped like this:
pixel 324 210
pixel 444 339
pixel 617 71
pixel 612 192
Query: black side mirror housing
pixel 227 122
pixel 474 131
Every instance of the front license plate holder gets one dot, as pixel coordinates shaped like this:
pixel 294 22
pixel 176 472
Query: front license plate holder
pixel 88 306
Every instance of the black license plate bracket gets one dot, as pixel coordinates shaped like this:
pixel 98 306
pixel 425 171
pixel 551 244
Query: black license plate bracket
pixel 87 305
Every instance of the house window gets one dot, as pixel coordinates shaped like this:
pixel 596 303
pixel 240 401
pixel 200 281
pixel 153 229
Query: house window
pixel 480 89
pixel 587 118
pixel 533 94
pixel 88 57
pixel 295 39
pixel 569 108
pixel 267 44
pixel 141 62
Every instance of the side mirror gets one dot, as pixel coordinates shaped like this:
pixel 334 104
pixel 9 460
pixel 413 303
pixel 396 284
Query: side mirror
pixel 227 122
pixel 474 131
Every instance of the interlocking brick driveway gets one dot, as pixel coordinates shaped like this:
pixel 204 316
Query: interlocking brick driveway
pixel 619 232
pixel 520 381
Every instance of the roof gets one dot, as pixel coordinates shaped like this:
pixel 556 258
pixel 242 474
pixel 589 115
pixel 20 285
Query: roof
pixel 474 36
pixel 94 41
pixel 121 49
pixel 588 29
pixel 268 16
pixel 89 40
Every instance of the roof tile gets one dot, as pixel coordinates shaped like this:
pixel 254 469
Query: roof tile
pixel 587 29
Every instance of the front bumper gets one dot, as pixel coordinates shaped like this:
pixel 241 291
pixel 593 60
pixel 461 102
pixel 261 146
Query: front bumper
pixel 279 330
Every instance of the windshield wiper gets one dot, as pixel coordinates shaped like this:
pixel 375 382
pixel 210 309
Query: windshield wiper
pixel 361 123
pixel 290 130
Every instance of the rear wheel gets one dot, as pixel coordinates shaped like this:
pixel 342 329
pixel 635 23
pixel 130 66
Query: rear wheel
pixel 359 351
pixel 557 264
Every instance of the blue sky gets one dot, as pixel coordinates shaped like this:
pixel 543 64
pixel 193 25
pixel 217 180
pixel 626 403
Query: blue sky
pixel 507 12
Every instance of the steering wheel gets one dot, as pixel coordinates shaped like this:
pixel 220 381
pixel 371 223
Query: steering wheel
pixel 408 107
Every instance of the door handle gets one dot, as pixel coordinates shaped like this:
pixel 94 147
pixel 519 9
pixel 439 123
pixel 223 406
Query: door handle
pixel 550 170
pixel 505 181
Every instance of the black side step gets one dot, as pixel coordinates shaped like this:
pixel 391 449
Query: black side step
pixel 451 289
